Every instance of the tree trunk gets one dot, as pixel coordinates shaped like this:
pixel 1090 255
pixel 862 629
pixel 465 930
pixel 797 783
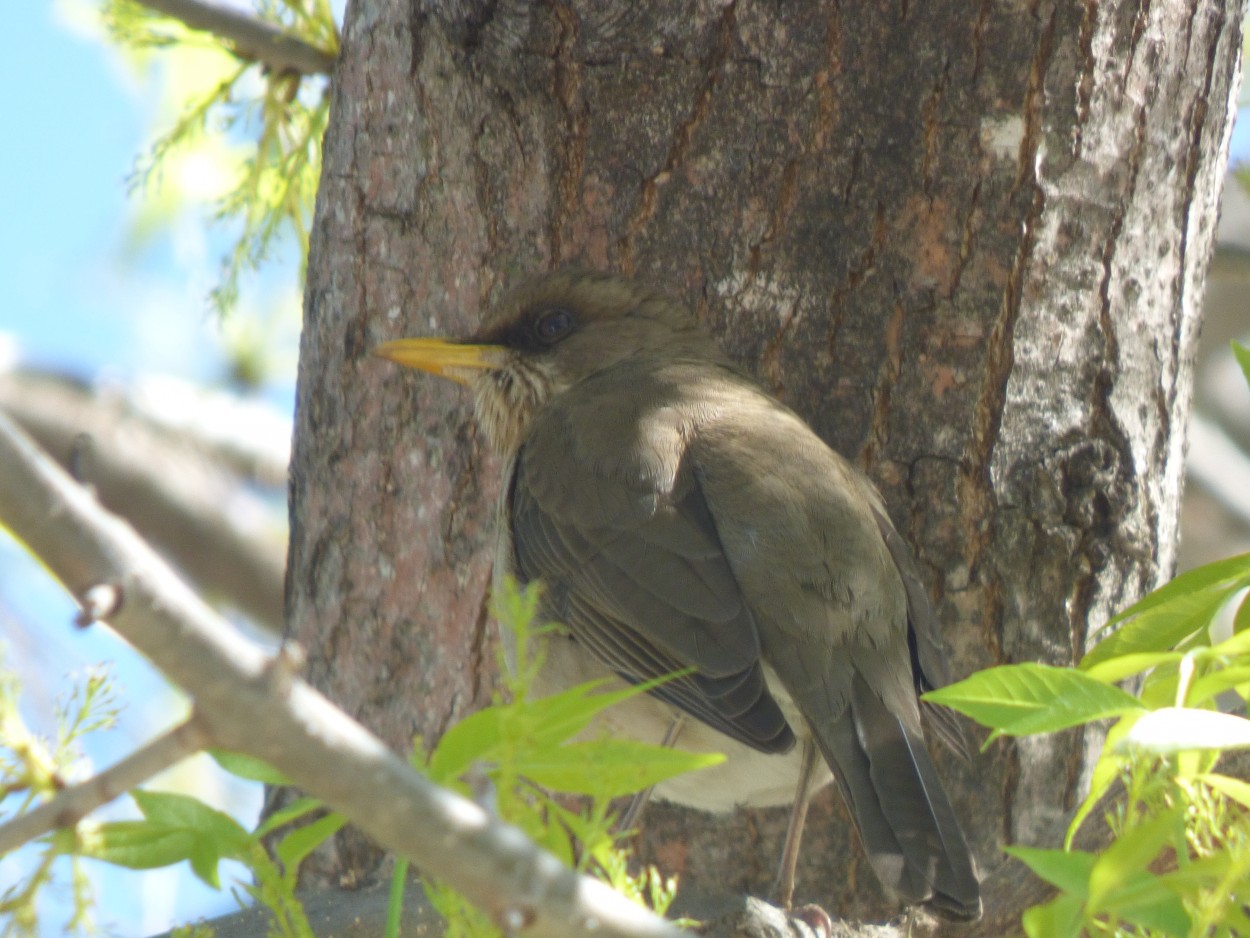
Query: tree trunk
pixel 965 241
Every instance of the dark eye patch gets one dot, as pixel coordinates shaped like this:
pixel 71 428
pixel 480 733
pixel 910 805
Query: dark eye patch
pixel 533 331
pixel 552 325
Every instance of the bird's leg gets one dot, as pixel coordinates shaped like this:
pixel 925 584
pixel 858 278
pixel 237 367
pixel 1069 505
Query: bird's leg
pixel 639 801
pixel 783 889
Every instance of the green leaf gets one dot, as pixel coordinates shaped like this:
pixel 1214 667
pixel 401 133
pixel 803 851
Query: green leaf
pixel 1123 666
pixel 1171 730
pixel 1022 699
pixel 205 862
pixel 1106 770
pixel 610 768
pixel 395 899
pixel 464 743
pixel 1231 648
pixel 1212 576
pixel 541 723
pixel 248 767
pixel 1163 625
pixel 292 812
pixel 1129 854
pixel 1242 354
pixel 175 827
pixel 1060 918
pixel 302 841
pixel 1210 686
pixel 1241 619
pixel 183 812
pixel 211 835
pixel 573 827
pixel 1198 874
pixel 1233 788
pixel 1067 869
pixel 1160 686
pixel 138 845
pixel 1145 900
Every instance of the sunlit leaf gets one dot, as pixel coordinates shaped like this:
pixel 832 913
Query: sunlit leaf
pixel 1230 648
pixel 1106 770
pixel 1145 900
pixel 1163 625
pixel 1060 918
pixel 1241 619
pixel 1233 788
pixel 1210 686
pixel 610 768
pixel 1033 698
pixel 1123 666
pixel 1220 576
pixel 1160 686
pixel 1242 354
pixel 297 809
pixel 138 845
pixel 542 722
pixel 547 720
pixel 178 811
pixel 1067 869
pixel 248 767
pixel 302 841
pixel 1179 729
pixel 1128 854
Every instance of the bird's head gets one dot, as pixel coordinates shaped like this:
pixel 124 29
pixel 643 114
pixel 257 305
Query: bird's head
pixel 545 336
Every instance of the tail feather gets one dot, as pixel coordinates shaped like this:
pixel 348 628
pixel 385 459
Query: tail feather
pixel 904 817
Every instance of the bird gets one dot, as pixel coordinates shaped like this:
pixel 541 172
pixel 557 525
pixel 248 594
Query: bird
pixel 683 519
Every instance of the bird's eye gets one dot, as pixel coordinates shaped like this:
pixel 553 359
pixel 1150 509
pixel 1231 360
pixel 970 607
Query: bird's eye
pixel 553 325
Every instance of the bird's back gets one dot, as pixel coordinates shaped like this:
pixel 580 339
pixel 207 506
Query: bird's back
pixel 721 508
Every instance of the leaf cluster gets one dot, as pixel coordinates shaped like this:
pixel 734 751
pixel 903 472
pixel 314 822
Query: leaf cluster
pixel 33 769
pixel 518 757
pixel 521 756
pixel 279 119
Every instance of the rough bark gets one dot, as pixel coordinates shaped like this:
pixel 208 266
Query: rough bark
pixel 966 241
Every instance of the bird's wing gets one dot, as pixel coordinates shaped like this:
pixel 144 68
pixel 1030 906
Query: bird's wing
pixel 929 661
pixel 633 566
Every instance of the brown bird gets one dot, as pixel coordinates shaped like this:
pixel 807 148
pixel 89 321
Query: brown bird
pixel 683 518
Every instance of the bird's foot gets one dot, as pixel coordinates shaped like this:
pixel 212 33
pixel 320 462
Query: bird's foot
pixel 815 918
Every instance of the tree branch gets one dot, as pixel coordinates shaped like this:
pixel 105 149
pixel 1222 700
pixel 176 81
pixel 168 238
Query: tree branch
pixel 1218 464
pixel 252 38
pixel 253 704
pixel 72 804
pixel 183 492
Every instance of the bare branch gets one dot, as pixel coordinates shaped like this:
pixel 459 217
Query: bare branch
pixel 181 491
pixel 250 706
pixel 251 37
pixel 1220 466
pixel 70 806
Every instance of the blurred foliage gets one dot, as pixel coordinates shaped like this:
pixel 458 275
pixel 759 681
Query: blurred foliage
pixel 32 770
pixel 238 139
pixel 516 757
pixel 520 760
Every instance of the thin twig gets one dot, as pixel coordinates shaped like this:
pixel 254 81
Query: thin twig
pixel 71 805
pixel 290 725
pixel 251 37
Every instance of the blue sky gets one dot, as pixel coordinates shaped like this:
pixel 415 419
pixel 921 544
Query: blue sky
pixel 75 296
pixel 78 297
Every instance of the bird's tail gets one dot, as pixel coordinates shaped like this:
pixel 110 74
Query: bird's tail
pixel 905 820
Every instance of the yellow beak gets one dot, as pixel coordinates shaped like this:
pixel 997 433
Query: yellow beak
pixel 454 360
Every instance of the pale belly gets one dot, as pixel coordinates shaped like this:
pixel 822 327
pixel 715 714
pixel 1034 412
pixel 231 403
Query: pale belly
pixel 746 777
